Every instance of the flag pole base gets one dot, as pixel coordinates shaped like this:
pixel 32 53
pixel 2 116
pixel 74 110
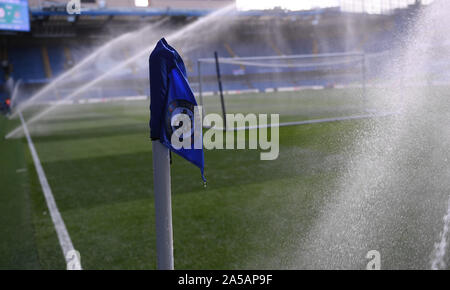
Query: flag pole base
pixel 163 206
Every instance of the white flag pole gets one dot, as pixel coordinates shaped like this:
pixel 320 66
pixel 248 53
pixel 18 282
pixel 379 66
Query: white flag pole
pixel 163 206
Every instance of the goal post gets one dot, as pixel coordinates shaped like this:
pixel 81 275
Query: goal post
pixel 298 87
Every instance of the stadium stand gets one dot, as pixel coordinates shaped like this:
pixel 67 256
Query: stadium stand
pixel 61 49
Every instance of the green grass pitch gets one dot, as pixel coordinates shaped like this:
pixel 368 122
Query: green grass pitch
pixel 98 162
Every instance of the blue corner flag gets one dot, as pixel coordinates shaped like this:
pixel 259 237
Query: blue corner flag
pixel 171 95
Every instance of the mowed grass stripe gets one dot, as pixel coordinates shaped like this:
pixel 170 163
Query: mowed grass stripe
pixel 213 229
pixel 18 249
pixel 112 178
pixel 93 147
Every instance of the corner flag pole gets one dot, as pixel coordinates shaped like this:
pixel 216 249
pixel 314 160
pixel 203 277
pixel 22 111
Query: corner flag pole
pixel 163 206
pixel 219 80
pixel 170 94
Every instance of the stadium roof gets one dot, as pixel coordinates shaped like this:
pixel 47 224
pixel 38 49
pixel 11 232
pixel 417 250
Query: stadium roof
pixel 365 6
pixel 171 12
pixel 245 8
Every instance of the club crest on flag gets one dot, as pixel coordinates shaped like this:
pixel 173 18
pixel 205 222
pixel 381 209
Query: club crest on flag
pixel 176 109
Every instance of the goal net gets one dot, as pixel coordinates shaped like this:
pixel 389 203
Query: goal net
pixel 297 87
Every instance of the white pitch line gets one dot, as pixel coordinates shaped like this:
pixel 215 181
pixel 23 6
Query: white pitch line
pixel 61 230
pixel 438 262
pixel 306 122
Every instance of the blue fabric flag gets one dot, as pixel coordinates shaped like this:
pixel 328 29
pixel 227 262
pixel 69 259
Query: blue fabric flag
pixel 171 95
